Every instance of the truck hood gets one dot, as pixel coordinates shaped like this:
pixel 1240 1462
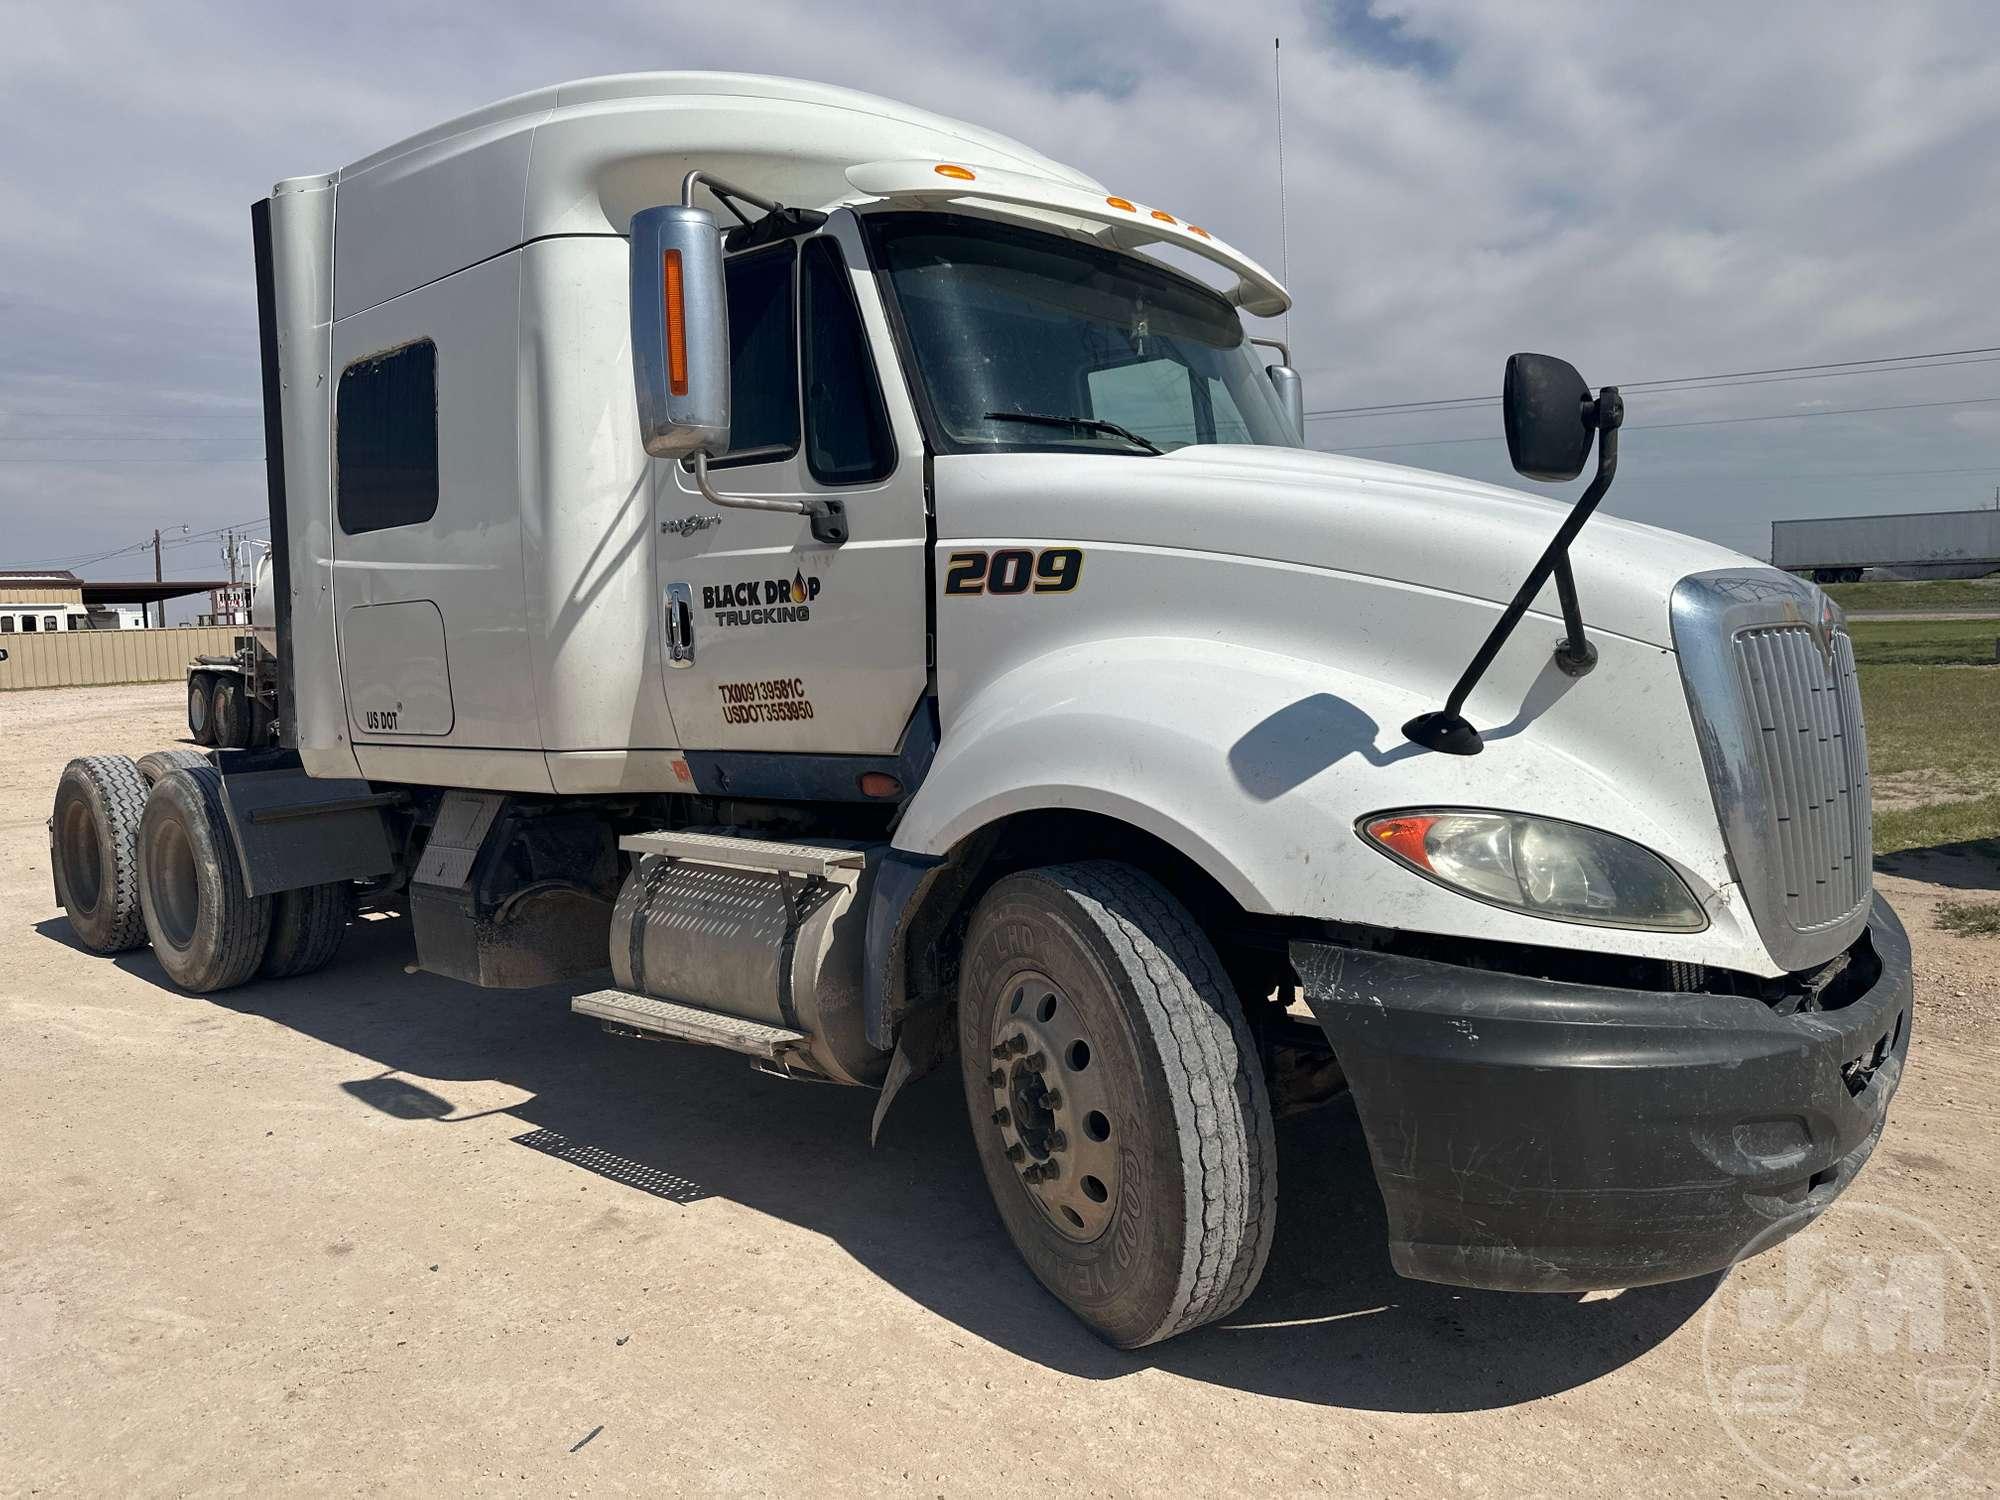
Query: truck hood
pixel 1352 515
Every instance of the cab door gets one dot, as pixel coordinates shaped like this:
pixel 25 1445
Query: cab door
pixel 772 641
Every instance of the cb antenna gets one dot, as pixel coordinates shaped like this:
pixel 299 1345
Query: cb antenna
pixel 1284 236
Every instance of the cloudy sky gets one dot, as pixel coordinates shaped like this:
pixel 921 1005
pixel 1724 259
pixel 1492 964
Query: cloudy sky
pixel 1652 191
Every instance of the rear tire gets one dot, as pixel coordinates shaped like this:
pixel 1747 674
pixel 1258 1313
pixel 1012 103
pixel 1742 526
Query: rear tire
pixel 229 719
pixel 1091 980
pixel 201 708
pixel 208 932
pixel 306 928
pixel 161 764
pixel 93 847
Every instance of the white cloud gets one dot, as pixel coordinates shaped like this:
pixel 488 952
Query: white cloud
pixel 1654 192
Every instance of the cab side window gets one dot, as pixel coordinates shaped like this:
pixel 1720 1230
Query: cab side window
pixel 386 443
pixel 847 428
pixel 763 365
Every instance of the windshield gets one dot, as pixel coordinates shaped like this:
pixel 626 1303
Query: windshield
pixel 1031 340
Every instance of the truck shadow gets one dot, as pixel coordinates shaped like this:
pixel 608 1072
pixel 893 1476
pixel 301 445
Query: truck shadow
pixel 1331 1323
pixel 1973 865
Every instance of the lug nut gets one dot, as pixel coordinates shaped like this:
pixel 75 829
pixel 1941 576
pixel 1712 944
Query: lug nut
pixel 997 1078
pixel 1058 1141
pixel 1034 1062
pixel 1001 1050
pixel 1002 1116
pixel 1031 1176
pixel 1017 1044
pixel 1052 1098
pixel 1050 1171
pixel 1016 1151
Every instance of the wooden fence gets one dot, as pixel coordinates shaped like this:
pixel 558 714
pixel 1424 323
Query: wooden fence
pixel 88 658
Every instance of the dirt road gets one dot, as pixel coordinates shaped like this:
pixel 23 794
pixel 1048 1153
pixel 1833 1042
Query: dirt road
pixel 374 1231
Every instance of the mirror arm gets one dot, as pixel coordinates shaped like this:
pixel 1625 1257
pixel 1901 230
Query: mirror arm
pixel 1575 656
pixel 829 517
pixel 1447 729
pixel 726 193
pixel 1284 351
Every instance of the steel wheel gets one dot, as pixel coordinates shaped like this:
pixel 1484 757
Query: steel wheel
pixel 1052 1111
pixel 1116 1099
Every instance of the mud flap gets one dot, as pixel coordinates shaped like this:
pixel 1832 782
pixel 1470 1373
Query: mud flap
pixel 923 1041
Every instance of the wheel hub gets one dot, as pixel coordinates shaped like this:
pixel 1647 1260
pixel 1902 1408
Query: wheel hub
pixel 81 861
pixel 1051 1106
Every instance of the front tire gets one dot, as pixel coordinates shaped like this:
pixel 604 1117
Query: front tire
pixel 1143 1194
pixel 208 932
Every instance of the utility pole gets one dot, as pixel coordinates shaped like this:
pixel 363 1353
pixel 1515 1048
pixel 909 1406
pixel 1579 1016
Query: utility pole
pixel 1284 234
pixel 159 577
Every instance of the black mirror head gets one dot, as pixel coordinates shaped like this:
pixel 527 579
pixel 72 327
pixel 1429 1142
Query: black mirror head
pixel 1547 409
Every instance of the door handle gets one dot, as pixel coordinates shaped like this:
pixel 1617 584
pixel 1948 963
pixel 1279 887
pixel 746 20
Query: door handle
pixel 680 625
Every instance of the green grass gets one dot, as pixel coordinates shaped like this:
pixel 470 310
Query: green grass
pixel 1932 726
pixel 1924 643
pixel 1970 918
pixel 1934 593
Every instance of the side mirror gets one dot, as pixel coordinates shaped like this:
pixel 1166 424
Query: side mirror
pixel 1291 395
pixel 1550 416
pixel 680 332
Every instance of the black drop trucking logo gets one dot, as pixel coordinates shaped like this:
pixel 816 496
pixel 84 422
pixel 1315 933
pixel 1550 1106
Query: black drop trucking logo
pixel 761 601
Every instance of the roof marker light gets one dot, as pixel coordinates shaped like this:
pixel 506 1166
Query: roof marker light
pixel 1197 229
pixel 1124 203
pixel 961 174
pixel 1164 217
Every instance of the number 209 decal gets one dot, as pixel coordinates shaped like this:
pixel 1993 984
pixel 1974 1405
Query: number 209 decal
pixel 1014 570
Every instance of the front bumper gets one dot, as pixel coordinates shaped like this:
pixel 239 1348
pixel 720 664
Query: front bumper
pixel 1530 1135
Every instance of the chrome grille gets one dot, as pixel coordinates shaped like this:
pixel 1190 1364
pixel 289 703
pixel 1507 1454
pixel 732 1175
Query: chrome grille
pixel 1808 747
pixel 1771 689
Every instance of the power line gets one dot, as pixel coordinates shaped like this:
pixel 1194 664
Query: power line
pixel 1894 362
pixel 89 462
pixel 1477 403
pixel 147 437
pixel 79 560
pixel 1787 416
pixel 137 416
pixel 1777 475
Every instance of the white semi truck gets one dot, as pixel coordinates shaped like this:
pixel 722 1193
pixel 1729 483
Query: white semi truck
pixel 842 572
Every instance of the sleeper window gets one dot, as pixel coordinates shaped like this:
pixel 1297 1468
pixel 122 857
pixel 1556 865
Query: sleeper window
pixel 386 440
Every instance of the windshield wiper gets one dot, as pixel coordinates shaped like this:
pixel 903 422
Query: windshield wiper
pixel 1080 424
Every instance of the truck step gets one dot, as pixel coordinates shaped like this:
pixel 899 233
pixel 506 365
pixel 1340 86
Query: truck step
pixel 745 854
pixel 687 1023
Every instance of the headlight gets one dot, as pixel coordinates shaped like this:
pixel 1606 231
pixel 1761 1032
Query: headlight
pixel 1540 866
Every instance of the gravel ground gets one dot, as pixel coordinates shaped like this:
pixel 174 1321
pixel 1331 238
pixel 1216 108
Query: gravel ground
pixel 376 1232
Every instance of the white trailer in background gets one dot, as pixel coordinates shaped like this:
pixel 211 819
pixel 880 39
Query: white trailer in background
pixel 806 576
pixel 1919 544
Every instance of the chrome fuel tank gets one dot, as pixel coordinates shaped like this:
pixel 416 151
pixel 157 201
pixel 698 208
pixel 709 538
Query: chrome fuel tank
pixel 766 931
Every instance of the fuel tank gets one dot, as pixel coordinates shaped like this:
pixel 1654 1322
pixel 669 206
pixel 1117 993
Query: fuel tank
pixel 765 931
